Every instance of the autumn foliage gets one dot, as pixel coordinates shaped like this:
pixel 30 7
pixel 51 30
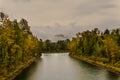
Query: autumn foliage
pixel 17 44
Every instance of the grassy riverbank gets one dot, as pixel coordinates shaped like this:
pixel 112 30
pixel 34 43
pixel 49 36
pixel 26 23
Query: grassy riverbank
pixel 13 74
pixel 107 66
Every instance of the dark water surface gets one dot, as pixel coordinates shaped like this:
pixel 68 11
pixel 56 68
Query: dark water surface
pixel 63 67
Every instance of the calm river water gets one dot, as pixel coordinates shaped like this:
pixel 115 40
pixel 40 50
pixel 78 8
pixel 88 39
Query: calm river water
pixel 62 67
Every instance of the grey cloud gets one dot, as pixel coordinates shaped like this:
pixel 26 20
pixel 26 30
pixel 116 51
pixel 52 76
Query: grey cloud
pixel 21 0
pixel 94 6
pixel 61 36
pixel 58 32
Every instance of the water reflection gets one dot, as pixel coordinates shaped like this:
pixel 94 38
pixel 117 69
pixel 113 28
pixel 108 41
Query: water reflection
pixel 112 76
pixel 63 67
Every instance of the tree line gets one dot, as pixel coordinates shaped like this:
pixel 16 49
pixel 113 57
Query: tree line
pixel 98 46
pixel 50 47
pixel 17 44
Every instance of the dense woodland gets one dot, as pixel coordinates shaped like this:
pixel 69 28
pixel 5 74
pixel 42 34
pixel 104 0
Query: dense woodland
pixel 17 44
pixel 60 46
pixel 103 47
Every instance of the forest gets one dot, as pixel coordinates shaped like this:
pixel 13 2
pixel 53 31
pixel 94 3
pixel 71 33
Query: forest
pixel 18 46
pixel 55 47
pixel 96 46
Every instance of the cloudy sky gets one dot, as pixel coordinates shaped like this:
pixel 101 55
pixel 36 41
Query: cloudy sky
pixel 48 18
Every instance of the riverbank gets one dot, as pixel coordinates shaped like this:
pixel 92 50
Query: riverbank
pixel 18 70
pixel 106 66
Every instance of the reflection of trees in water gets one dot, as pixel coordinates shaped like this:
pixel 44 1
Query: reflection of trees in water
pixel 98 72
pixel 90 68
pixel 28 71
pixel 112 76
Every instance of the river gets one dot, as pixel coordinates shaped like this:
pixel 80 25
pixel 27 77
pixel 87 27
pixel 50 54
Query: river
pixel 62 67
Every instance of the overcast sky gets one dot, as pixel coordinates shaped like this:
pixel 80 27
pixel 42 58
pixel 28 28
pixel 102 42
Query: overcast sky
pixel 48 18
